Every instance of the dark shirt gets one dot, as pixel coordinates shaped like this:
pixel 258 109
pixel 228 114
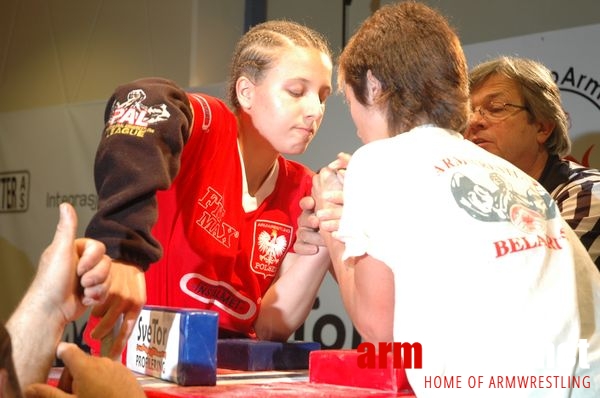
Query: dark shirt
pixel 576 190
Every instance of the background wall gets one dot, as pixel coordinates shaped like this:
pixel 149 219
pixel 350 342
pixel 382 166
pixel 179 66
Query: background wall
pixel 70 51
pixel 61 59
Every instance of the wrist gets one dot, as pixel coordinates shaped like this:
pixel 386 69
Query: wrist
pixel 46 312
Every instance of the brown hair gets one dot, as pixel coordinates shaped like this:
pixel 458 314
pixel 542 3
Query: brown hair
pixel 415 54
pixel 258 49
pixel 540 93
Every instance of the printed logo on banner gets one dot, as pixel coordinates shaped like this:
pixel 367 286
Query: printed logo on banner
pixel 580 84
pixel 14 191
pixel 583 86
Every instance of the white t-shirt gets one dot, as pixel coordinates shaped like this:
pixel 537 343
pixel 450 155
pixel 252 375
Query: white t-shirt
pixel 484 267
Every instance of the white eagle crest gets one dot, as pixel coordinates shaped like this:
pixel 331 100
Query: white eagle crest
pixel 271 245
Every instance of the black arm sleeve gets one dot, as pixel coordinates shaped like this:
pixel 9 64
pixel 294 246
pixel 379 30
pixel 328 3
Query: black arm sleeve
pixel 147 123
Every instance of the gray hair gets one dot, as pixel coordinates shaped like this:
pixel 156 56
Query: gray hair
pixel 539 90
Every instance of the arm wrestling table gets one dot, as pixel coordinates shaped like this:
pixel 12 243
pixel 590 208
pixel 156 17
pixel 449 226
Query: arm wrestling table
pixel 253 384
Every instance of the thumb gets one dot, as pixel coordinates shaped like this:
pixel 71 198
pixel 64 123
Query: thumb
pixel 71 355
pixel 40 390
pixel 66 229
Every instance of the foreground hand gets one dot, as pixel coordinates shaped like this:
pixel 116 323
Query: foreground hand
pixel 72 273
pixel 88 377
pixel 126 298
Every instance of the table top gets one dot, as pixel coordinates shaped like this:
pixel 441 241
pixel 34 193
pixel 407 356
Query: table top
pixel 253 384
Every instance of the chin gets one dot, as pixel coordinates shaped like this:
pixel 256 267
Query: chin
pixel 295 150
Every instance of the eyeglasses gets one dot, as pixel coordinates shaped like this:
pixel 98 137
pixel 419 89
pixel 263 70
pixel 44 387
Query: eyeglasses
pixel 496 111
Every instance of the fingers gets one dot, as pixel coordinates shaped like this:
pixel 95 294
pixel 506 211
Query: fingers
pixel 127 296
pixel 65 382
pixel 307 203
pixel 324 184
pixel 329 178
pixel 341 162
pixel 120 341
pixel 109 314
pixel 304 248
pixel 73 358
pixel 93 268
pixel 308 219
pixel 96 282
pixel 66 229
pixel 114 330
pixel 90 252
pixel 44 391
pixel 334 197
pixel 308 241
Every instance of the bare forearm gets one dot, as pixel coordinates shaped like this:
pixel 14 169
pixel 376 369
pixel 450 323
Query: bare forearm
pixel 289 300
pixel 35 332
pixel 343 274
pixel 367 291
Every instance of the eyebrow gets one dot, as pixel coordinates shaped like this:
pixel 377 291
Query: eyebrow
pixel 491 97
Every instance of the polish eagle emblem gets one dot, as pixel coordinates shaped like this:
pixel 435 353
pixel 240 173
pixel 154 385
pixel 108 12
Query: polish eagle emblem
pixel 271 245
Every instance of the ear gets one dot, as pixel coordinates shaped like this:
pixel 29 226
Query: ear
pixel 544 131
pixel 373 87
pixel 244 89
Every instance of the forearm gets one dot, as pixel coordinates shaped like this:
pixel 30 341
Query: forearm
pixel 35 331
pixel 138 154
pixel 343 274
pixel 367 291
pixel 289 300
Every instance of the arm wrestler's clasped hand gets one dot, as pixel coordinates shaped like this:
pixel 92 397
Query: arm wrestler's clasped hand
pixel 331 199
pixel 327 192
pixel 87 280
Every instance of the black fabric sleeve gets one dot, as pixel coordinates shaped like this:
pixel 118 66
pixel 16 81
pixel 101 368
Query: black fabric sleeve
pixel 147 123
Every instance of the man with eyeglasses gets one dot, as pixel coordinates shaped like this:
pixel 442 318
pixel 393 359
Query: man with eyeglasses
pixel 518 115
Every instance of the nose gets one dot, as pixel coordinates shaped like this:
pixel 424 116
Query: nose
pixel 475 123
pixel 476 115
pixel 314 108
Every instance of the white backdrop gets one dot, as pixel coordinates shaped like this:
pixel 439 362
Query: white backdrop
pixel 46 156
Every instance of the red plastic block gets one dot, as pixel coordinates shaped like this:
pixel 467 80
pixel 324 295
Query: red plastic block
pixel 340 367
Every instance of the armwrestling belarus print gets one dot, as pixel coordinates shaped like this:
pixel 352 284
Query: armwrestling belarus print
pixel 490 198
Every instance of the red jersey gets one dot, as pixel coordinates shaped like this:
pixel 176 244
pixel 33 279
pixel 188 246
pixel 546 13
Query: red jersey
pixel 170 189
pixel 216 255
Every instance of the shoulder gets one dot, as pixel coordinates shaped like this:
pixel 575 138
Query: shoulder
pixel 376 153
pixel 577 171
pixel 578 176
pixel 209 111
pixel 205 100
